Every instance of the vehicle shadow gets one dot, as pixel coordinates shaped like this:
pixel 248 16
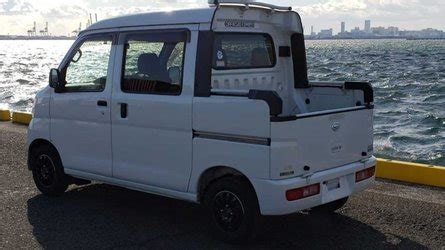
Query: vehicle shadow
pixel 104 216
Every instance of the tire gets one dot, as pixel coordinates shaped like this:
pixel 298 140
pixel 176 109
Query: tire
pixel 330 207
pixel 47 171
pixel 233 208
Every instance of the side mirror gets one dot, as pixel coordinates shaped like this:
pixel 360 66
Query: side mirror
pixel 54 79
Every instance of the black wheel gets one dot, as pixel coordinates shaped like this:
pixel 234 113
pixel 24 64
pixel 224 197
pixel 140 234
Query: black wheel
pixel 233 207
pixel 47 171
pixel 331 206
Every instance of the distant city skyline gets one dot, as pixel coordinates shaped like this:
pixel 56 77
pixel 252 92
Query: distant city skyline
pixel 368 31
pixel 64 16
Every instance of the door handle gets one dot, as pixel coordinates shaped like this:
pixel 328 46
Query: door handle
pixel 124 110
pixel 102 103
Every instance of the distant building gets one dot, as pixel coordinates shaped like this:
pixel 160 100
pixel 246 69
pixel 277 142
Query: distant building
pixel 378 31
pixel 367 26
pixel 387 32
pixel 327 33
pixel 393 31
pixel 343 27
pixel 312 31
pixel 425 33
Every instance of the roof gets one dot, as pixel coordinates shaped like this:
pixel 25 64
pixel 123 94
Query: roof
pixel 187 16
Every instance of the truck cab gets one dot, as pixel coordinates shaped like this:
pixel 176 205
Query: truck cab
pixel 207 105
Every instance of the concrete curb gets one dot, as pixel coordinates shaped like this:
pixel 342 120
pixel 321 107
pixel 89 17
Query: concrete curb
pixel 411 172
pixel 5 115
pixel 15 116
pixel 21 117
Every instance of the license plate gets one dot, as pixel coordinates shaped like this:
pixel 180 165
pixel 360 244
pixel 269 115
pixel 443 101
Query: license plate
pixel 332 184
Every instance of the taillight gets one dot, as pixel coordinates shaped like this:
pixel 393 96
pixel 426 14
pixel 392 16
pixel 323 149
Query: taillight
pixel 364 174
pixel 303 192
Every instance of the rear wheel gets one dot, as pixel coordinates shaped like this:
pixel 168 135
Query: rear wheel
pixel 47 171
pixel 331 206
pixel 233 207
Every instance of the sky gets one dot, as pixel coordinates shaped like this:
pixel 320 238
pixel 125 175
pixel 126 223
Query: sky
pixel 64 16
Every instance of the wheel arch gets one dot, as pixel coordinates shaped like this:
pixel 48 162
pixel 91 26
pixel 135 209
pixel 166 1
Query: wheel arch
pixel 35 144
pixel 214 173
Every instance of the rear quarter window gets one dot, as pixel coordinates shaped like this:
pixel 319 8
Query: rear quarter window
pixel 243 51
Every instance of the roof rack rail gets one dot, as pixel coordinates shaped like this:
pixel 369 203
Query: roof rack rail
pixel 248 3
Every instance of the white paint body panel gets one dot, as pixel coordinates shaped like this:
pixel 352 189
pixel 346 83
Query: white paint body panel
pixel 231 115
pixel 157 150
pixel 176 17
pixel 251 160
pixel 313 142
pixel 133 185
pixel 272 193
pixel 80 130
pixel 39 128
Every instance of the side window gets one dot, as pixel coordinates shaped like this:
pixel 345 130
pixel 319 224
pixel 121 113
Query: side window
pixel 243 51
pixel 87 69
pixel 153 63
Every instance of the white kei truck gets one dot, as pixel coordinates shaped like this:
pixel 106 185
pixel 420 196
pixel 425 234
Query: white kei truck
pixel 208 105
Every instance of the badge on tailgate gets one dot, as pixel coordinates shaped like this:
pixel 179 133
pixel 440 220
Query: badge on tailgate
pixel 335 126
pixel 336 148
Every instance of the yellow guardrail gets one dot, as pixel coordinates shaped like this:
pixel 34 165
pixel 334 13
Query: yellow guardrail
pixel 411 172
pixel 5 115
pixel 388 169
pixel 21 117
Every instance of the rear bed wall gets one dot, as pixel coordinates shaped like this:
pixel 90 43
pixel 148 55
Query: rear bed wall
pixel 280 26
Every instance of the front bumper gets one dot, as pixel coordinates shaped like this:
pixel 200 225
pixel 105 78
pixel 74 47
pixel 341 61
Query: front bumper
pixel 272 193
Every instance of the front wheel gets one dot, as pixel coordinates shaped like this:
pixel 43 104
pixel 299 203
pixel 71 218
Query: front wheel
pixel 47 171
pixel 233 208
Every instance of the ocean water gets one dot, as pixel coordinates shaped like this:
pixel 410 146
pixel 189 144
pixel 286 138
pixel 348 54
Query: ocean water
pixel 408 79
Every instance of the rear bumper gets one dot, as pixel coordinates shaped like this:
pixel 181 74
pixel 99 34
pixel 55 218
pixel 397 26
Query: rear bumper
pixel 272 193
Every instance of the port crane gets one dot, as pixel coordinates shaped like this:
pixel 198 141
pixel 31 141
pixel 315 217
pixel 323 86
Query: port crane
pixel 32 31
pixel 44 32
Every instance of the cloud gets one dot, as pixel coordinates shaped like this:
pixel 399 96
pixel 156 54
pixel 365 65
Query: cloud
pixel 13 7
pixel 361 7
pixel 405 13
pixel 66 12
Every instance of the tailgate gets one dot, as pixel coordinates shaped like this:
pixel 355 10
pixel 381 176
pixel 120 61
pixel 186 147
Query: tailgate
pixel 318 141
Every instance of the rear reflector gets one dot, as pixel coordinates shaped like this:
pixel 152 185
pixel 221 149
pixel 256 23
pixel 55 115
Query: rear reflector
pixel 364 174
pixel 303 192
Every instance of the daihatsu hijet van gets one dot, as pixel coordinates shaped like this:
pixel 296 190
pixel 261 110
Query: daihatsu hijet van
pixel 207 105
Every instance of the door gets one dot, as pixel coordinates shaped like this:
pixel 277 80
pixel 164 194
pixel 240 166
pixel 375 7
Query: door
pixel 151 110
pixel 80 113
